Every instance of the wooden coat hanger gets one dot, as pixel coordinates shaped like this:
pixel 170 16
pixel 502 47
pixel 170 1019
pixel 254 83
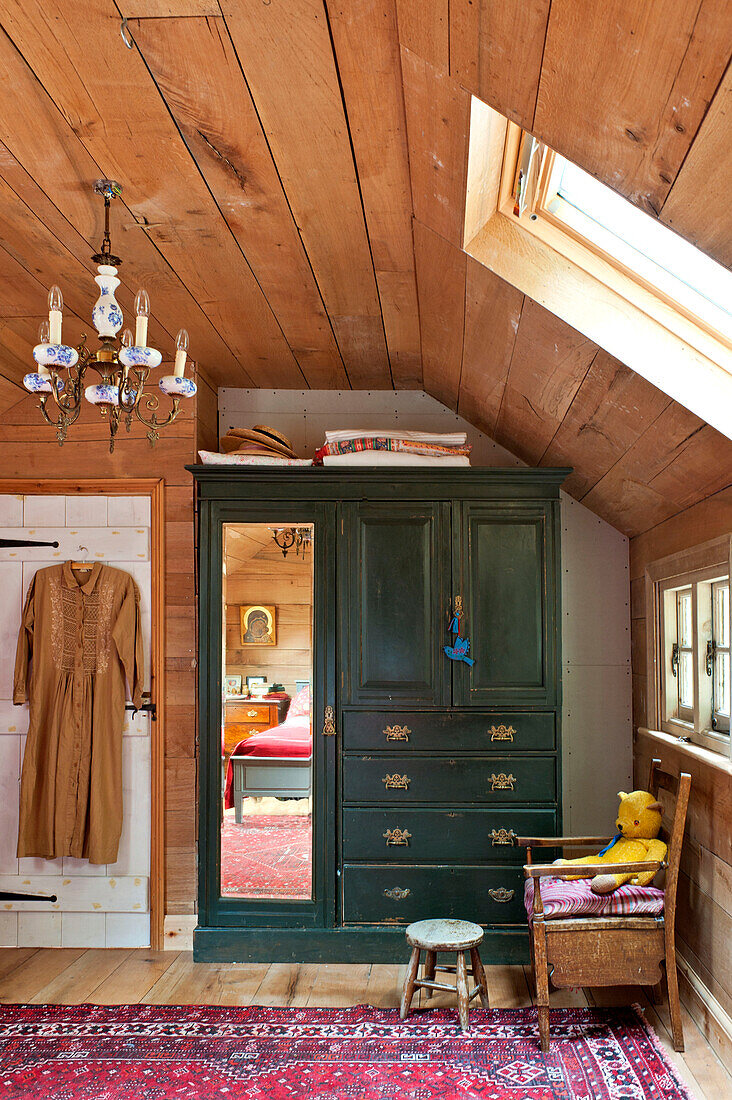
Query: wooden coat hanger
pixel 83 566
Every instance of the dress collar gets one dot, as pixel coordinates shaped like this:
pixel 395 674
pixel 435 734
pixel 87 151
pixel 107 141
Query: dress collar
pixel 71 581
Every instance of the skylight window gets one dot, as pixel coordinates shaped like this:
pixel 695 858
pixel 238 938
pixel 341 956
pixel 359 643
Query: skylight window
pixel 664 261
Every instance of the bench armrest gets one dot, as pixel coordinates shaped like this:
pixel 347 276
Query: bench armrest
pixel 560 841
pixel 589 870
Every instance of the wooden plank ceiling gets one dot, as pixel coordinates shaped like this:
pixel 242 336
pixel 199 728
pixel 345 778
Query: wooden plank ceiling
pixel 294 177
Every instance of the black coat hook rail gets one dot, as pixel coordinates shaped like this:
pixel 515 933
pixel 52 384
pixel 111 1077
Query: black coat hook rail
pixel 13 895
pixel 149 707
pixel 5 543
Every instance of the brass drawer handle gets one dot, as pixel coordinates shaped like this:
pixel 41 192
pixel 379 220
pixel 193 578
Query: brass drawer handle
pixel 329 722
pixel 397 836
pixel 501 894
pixel 502 733
pixel 502 836
pixel 502 782
pixel 397 733
pixel 252 713
pixel 396 782
pixel 397 894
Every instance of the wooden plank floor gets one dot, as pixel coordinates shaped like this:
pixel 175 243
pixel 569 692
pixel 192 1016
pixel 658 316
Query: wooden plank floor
pixel 76 976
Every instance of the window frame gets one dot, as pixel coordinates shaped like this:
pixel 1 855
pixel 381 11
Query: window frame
pixel 721 721
pixel 698 570
pixel 532 211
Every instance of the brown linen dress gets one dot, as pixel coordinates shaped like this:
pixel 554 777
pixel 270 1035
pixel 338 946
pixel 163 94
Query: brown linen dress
pixel 81 638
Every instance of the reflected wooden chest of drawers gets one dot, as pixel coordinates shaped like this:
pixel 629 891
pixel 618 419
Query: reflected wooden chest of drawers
pixel 243 717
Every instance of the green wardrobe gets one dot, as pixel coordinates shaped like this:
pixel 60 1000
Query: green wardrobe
pixel 424 768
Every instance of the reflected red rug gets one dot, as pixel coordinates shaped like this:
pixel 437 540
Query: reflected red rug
pixel 159 1052
pixel 266 856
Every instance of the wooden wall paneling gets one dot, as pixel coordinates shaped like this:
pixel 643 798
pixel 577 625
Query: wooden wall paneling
pixel 10 392
pixel 181 216
pixel 496 51
pixel 438 128
pixel 492 315
pixel 424 28
pixel 625 86
pixel 703 521
pixel 306 127
pixel 207 414
pixel 697 206
pixel 441 275
pixel 217 118
pixel 611 410
pixel 369 66
pixel 549 363
pixel 67 171
pixel 648 484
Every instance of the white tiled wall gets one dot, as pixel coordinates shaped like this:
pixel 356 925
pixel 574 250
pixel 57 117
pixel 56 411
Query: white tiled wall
pixel 97 906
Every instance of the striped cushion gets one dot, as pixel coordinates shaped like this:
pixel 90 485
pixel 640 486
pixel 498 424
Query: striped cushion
pixel 563 898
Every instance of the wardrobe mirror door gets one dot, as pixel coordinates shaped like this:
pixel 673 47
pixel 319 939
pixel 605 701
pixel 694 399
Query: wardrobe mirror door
pixel 266 712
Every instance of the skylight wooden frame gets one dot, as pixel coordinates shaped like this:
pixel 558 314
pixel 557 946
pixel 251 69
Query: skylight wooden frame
pixel 581 250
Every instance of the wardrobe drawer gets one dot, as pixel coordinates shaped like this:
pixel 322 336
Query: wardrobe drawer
pixel 408 835
pixel 399 895
pixel 522 731
pixel 394 780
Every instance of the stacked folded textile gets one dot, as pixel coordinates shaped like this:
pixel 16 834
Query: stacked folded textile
pixel 258 446
pixel 391 447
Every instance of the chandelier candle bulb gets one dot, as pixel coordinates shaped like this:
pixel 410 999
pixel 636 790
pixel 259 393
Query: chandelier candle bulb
pixel 181 344
pixel 126 342
pixel 43 338
pixel 55 308
pixel 142 309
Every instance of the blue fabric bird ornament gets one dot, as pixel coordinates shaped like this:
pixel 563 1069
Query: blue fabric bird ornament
pixel 460 647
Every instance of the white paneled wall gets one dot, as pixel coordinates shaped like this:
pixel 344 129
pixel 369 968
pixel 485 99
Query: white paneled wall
pixel 596 720
pixel 97 905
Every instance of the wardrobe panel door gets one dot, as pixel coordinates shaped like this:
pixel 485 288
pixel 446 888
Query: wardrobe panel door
pixel 506 577
pixel 396 564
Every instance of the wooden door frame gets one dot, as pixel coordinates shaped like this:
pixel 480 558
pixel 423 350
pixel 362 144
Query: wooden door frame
pixel 155 489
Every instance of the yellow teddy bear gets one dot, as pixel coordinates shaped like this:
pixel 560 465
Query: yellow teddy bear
pixel 639 822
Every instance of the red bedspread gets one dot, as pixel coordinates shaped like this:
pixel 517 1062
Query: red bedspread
pixel 293 738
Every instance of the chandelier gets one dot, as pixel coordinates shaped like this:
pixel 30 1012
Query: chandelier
pixel 287 538
pixel 123 366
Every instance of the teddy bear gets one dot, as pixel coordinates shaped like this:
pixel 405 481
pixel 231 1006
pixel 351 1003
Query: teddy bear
pixel 638 822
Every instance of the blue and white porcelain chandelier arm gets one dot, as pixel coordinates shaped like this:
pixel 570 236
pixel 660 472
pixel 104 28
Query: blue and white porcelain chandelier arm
pixel 123 365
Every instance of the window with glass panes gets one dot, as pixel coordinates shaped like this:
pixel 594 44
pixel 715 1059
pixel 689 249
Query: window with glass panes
pixel 695 657
pixel 718 656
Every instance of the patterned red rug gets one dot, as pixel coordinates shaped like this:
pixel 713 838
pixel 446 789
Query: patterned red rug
pixel 266 856
pixel 165 1052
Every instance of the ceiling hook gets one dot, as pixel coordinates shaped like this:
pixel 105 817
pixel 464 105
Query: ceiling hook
pixel 127 38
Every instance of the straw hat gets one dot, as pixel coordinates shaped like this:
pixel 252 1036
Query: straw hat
pixel 258 440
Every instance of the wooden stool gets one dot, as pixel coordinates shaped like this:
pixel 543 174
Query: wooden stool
pixel 445 935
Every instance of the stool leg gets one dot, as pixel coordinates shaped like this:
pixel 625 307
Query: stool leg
pixel 409 981
pixel 462 991
pixel 479 975
pixel 429 966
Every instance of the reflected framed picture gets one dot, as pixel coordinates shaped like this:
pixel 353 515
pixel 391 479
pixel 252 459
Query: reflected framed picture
pixel 233 685
pixel 258 625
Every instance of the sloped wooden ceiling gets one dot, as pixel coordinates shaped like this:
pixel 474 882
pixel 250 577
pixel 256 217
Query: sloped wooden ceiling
pixel 294 178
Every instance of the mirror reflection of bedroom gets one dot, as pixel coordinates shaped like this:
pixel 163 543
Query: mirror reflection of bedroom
pixel 266 819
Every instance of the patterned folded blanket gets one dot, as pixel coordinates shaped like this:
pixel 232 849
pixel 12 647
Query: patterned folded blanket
pixel 390 443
